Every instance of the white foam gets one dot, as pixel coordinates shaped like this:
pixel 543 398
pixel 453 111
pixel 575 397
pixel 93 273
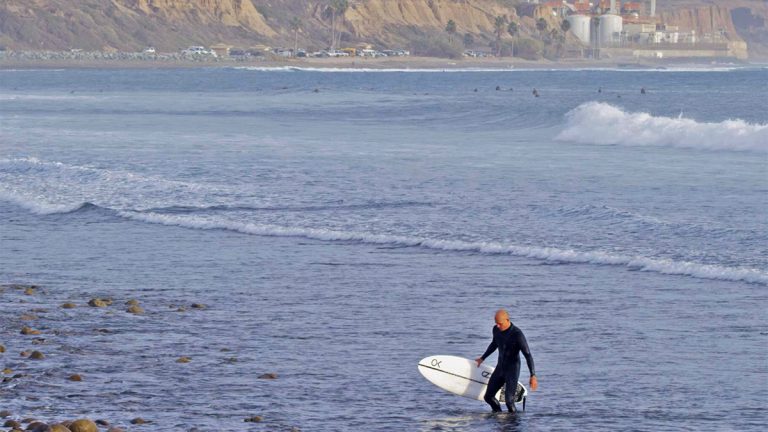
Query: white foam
pixel 36 206
pixel 550 254
pixel 605 124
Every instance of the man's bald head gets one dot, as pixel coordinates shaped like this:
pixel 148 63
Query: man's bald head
pixel 502 319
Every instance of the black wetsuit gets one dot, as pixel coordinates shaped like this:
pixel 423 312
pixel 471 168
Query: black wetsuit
pixel 510 343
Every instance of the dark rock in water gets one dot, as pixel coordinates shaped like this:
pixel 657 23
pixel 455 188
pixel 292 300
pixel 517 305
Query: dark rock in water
pixel 253 419
pixel 139 420
pixel 12 424
pixel 135 309
pixel 83 425
pixel 132 302
pixel 75 377
pixel 36 355
pixel 103 330
pixel 270 375
pixel 198 306
pixel 7 371
pixel 5 413
pixel 28 420
pixel 102 422
pixel 38 341
pixel 183 360
pixel 2 349
pixel 25 353
pixel 38 427
pixel 68 306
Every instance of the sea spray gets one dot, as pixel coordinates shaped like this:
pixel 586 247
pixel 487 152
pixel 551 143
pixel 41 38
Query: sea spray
pixel 605 124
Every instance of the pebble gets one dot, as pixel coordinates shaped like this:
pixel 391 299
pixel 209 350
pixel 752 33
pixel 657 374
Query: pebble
pixel 68 306
pixel 270 375
pixel 29 290
pixel 29 331
pixel 12 424
pixel 59 428
pixel 183 360
pixel 198 306
pixel 83 425
pixel 97 302
pixel 101 422
pixel 139 420
pixel 135 309
pixel 2 349
pixel 253 419
pixel 75 377
pixel 7 371
pixel 36 355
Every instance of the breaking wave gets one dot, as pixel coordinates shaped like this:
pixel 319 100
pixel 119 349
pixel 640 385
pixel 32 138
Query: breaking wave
pixel 550 254
pixel 605 124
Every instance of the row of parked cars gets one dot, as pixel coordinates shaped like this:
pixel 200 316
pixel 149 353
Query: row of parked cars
pixel 199 51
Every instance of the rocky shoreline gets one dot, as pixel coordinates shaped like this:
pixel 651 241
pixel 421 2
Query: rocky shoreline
pixel 36 336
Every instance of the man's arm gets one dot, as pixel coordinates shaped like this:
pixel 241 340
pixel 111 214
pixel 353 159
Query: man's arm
pixel 528 359
pixel 491 348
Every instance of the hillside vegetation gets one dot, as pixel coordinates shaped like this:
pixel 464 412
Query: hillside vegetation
pixel 418 25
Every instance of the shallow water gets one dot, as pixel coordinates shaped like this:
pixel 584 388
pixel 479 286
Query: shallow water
pixel 339 236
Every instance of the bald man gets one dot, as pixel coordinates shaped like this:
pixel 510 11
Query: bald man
pixel 510 342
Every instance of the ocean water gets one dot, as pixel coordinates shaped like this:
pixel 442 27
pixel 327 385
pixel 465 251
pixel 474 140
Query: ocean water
pixel 340 226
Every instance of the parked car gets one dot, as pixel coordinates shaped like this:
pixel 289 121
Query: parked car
pixel 198 51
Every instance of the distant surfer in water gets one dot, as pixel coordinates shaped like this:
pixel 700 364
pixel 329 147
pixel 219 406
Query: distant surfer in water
pixel 510 341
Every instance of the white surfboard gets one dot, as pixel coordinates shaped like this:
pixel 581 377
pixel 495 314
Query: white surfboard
pixel 461 376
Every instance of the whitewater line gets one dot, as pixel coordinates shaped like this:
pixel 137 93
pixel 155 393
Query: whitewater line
pixel 550 254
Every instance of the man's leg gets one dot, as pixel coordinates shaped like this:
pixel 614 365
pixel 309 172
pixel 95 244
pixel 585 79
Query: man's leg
pixel 494 385
pixel 511 378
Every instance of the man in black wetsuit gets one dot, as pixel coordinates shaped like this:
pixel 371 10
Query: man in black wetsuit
pixel 510 342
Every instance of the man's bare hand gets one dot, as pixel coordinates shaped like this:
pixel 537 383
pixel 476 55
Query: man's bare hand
pixel 479 361
pixel 534 383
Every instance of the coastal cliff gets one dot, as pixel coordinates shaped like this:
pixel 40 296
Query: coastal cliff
pixel 171 25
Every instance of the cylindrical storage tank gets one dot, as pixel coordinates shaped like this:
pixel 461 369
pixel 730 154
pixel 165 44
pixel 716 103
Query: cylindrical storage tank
pixel 610 29
pixel 580 27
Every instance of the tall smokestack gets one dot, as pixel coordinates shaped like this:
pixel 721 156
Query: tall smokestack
pixel 653 8
pixel 613 7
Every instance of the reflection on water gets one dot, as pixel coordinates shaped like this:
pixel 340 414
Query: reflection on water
pixel 502 422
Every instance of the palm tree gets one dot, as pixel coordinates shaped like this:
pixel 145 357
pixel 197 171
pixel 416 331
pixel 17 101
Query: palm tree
pixel 295 26
pixel 336 7
pixel 451 29
pixel 498 28
pixel 542 25
pixel 513 29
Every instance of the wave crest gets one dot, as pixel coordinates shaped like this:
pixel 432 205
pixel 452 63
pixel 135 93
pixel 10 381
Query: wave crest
pixel 550 254
pixel 605 124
